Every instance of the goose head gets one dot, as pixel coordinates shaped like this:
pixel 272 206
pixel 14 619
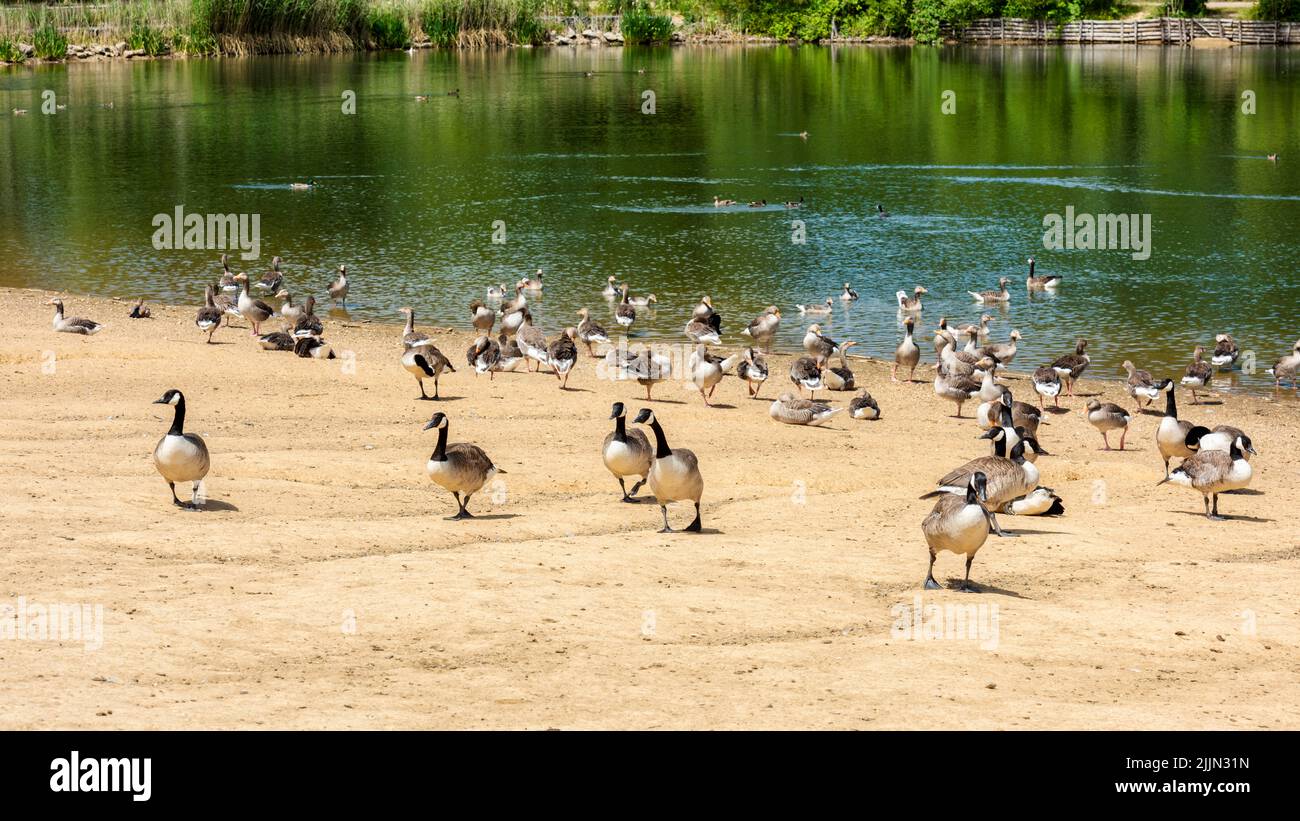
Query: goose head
pixel 1002 282
pixel 584 313
pixel 171 397
pixel 645 417
pixel 439 420
pixel 282 294
pixel 1015 336
pixel 617 411
pixel 979 485
pixel 1243 443
pixel 918 290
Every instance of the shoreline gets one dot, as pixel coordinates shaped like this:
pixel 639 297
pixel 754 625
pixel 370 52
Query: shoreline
pixel 323 587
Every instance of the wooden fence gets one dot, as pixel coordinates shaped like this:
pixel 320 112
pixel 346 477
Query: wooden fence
pixel 1158 31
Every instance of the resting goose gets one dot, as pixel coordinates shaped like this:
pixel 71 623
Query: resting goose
pixel 674 473
pixel 880 209
pixel 911 304
pixel 863 406
pixel 643 301
pixel 1286 368
pixel 1225 352
pixel 1071 366
pixel 1106 417
pixel 704 309
pixel 532 342
pixel 1003 352
pixel 278 341
pixel 72 325
pixel 841 378
pixel 707 370
pixel 625 314
pixel 805 372
pixel 181 456
pixel 1047 383
pixel 1140 385
pixel 483 356
pixel 753 369
pixel 943 336
pixel 140 310
pixel 610 290
pixel 426 362
pixel 792 410
pixel 705 330
pixel 1043 501
pixel 1041 283
pixel 1027 417
pixel 1007 477
pixel 209 316
pixel 993 297
pixel 338 289
pixel 534 283
pixel 907 354
pixel 817 345
pixel 481 316
pixel 312 347
pixel 496 293
pixel 589 332
pixel 848 294
pixel 958 524
pixel 824 308
pixel 1175 437
pixel 272 279
pixel 410 336
pixel 718 202
pixel 254 310
pixel 562 354
pixel 955 388
pixel 762 329
pixel 1212 472
pixel 626 453
pixel 308 324
pixel 1198 374
pixel 460 467
pixel 1221 438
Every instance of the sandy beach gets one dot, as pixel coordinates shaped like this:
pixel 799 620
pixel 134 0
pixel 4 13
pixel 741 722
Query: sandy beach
pixel 323 587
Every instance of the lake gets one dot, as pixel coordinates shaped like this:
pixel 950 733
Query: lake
pixel 579 181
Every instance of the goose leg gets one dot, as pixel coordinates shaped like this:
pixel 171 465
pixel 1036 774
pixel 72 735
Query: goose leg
pixel 1122 435
pixel 175 499
pixel 993 525
pixel 1105 439
pixel 930 583
pixel 623 486
pixel 635 488
pixel 423 395
pixel 664 510
pixel 696 525
pixel 1214 513
pixel 893 373
pixel 910 373
pixel 966 586
pixel 435 386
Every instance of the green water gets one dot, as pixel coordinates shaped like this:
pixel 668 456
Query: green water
pixel 588 185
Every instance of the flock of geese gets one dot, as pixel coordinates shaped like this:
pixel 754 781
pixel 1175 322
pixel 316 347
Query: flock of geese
pixel 969 498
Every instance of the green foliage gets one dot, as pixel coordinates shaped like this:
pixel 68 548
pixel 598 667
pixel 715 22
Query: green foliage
pixel 147 39
pixel 640 25
pixel 49 42
pixel 387 28
pixel 9 52
pixel 1276 10
pixel 450 23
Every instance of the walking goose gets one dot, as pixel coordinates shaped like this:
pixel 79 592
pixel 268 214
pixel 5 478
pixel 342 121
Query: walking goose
pixel 795 411
pixel 481 316
pixel 1211 472
pixel 753 369
pixel 762 329
pixel 308 324
pixel 209 316
pixel 848 294
pixel 707 370
pixel 338 289
pixel 907 354
pixel 626 452
pixel 817 345
pixel 1198 374
pixel 1047 383
pixel 958 524
pixel 993 297
pixel 1041 283
pixel 181 456
pixel 589 332
pixel 841 378
pixel 1286 368
pixel 140 310
pixel 460 467
pixel 1071 366
pixel 483 356
pixel 410 336
pixel 1140 385
pixel 825 308
pixel 1225 352
pixel 426 362
pixel 863 406
pixel 625 314
pixel 806 372
pixel 272 279
pixel 254 310
pixel 228 305
pixel 647 368
pixel 911 304
pixel 674 474
pixel 1106 417
pixel 562 355
pixel 532 342
pixel 955 388
pixel 1175 437
pixel 74 324
pixel 705 330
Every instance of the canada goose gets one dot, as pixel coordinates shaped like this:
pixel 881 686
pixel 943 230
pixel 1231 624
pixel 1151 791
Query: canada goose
pixel 911 304
pixel 642 301
pixel 290 312
pixel 993 297
pixel 562 354
pixel 958 524
pixel 308 323
pixel 1003 352
pixel 426 362
pixel 806 372
pixel 303 186
pixel 1071 366
pixel 610 290
pixel 272 279
pixel 907 354
pixel 881 212
pixel 1198 374
pixel 312 347
pixel 589 331
pixel 704 308
pixel 762 329
pixel 674 474
pixel 483 356
pixel 626 452
pixel 848 294
pixel 410 336
pixel 1212 472
pixel 510 353
pixel 624 314
pixel 181 456
pixel 863 406
pixel 1042 501
pixel 704 330
pixel 1225 352
pixel 496 292
pixel 841 378
pixel 338 289
pixel 824 308
pixel 707 370
pixel 72 325
pixel 955 388
pixel 1174 437
pixel 795 411
pixel 1221 438
pixel 1044 283
pixel 532 342
pixel 460 467
pixel 758 204
pixel 1286 368
pixel 1106 417
pixel 482 317
pixel 140 310
pixel 795 203
pixel 534 283
pixel 254 310
pixel 1047 382
pixel 943 336
pixel 818 345
pixel 1007 477
pixel 718 202
pixel 278 341
pixel 209 316
pixel 999 415
pixel 753 369
pixel 1140 385
pixel 227 281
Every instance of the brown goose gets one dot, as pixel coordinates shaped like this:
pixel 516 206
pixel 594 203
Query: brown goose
pixel 863 406
pixel 1225 352
pixel 1140 385
pixel 459 468
pixel 278 341
pixel 272 279
pixel 791 410
pixel 72 325
pixel 806 372
pixel 1003 352
pixel 483 356
pixel 943 336
pixel 410 336
pixel 482 317
pixel 706 330
pixel 140 310
pixel 562 355
pixel 624 313
pixel 426 362
pixel 510 353
pixel 817 345
pixel 254 310
pixel 229 305
pixel 910 304
pixel 1287 368
pixel 907 354
pixel 532 342
pixel 227 281
pixel 841 378
pixel 993 297
pixel 308 324
pixel 1008 477
pixel 762 329
pixel 1199 373
pixel 1071 366
pixel 288 310
pixel 338 289
pixel 753 369
pixel 955 388
pixel 209 316
pixel 1047 382
pixel 1106 417
pixel 589 332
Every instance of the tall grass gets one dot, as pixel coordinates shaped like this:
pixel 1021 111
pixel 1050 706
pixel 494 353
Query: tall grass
pixel 49 42
pixel 9 51
pixel 471 23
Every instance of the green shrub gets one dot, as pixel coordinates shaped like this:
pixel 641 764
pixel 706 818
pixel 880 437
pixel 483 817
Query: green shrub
pixel 449 23
pixel 49 43
pixel 641 26
pixel 388 28
pixel 145 38
pixel 1276 10
pixel 9 52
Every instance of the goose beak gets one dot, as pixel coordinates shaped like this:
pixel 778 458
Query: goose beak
pixel 1251 448
pixel 159 402
pixel 991 433
pixel 428 425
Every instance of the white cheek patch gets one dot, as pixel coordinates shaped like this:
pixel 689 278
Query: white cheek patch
pixel 176 397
